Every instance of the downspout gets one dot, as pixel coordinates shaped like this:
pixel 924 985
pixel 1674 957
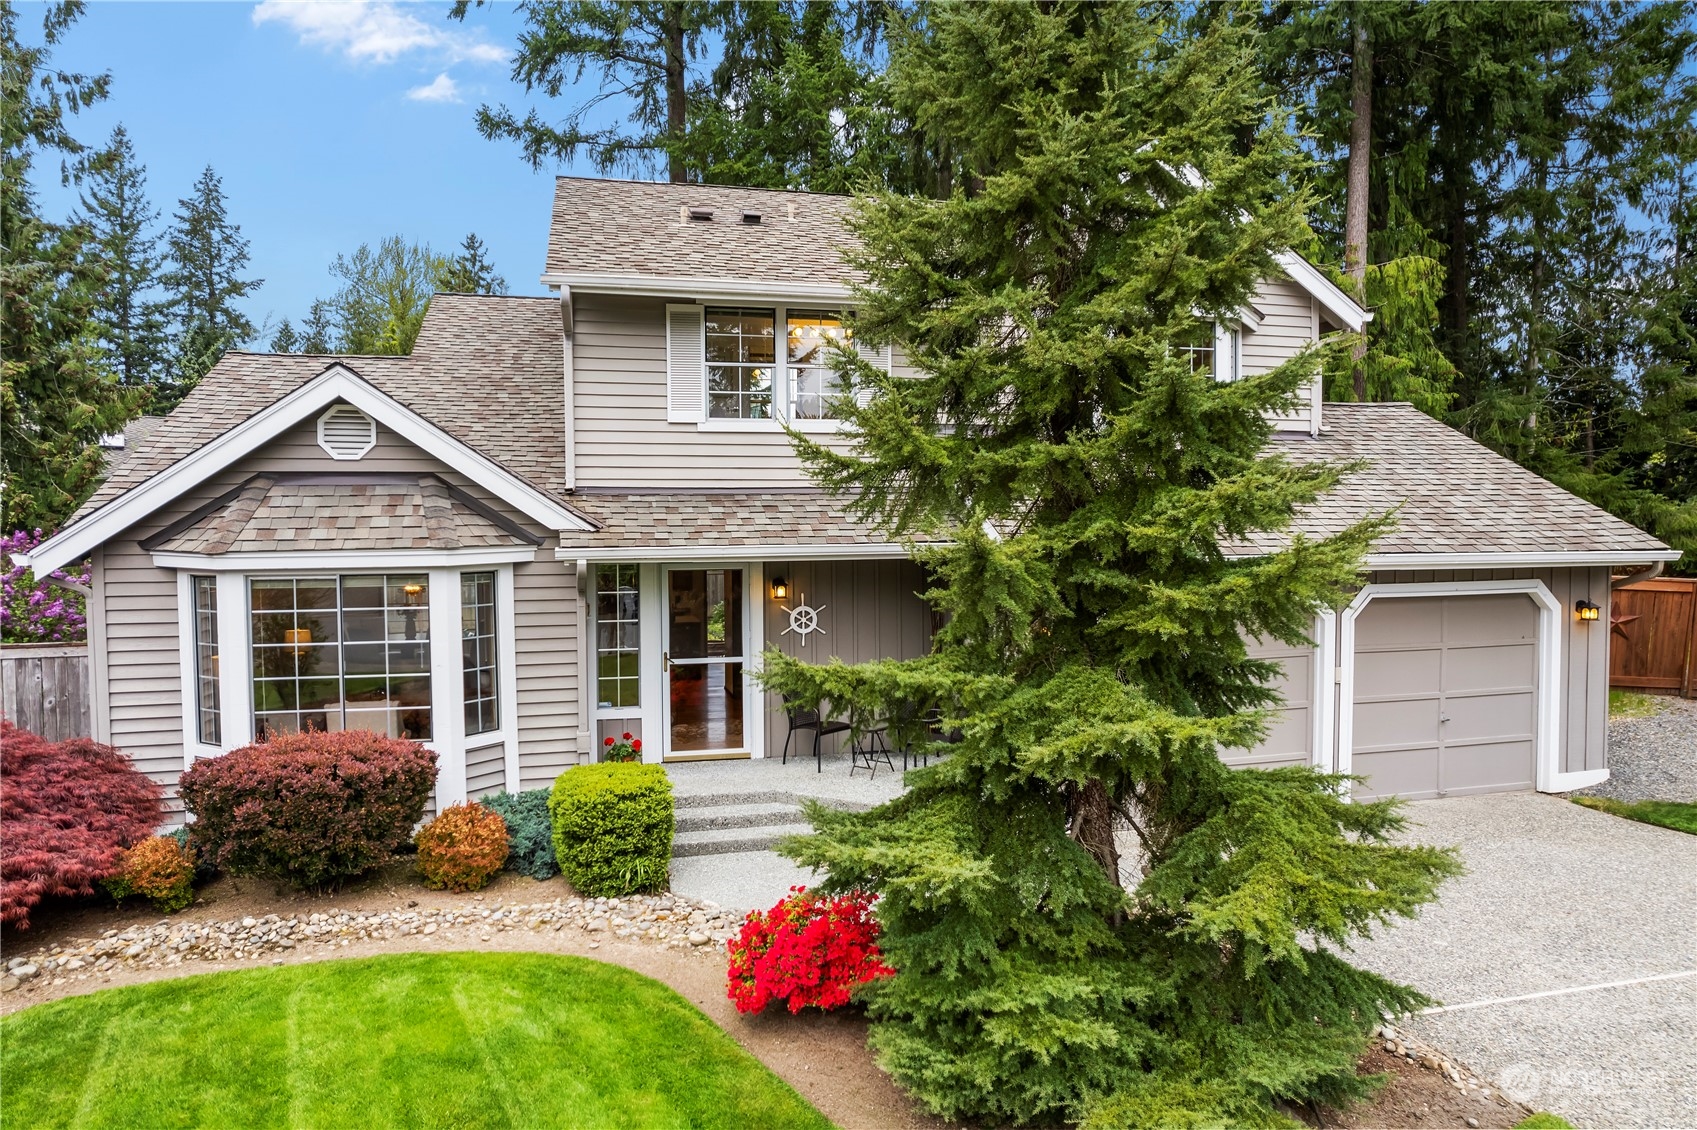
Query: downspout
pixel 566 319
pixel 1649 574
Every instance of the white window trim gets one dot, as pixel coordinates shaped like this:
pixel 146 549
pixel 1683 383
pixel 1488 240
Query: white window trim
pixel 781 371
pixel 1547 740
pixel 447 688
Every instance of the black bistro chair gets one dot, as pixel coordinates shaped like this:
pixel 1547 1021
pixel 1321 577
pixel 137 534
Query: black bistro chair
pixel 808 718
pixel 871 743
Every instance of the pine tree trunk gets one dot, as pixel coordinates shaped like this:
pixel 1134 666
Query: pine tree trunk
pixel 676 90
pixel 1355 200
pixel 1093 827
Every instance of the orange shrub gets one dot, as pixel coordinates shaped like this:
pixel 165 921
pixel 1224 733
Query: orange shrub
pixel 160 870
pixel 462 848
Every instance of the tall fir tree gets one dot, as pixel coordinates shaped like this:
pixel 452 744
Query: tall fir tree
pixel 470 271
pixel 208 259
pixel 1087 487
pixel 318 333
pixel 57 395
pixel 131 311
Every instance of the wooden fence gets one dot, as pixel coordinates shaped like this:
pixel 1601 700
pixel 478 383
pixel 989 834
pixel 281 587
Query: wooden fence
pixel 1653 641
pixel 44 688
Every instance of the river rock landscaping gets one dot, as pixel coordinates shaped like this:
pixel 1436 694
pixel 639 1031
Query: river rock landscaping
pixel 666 920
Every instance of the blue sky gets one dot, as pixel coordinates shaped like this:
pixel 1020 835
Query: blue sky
pixel 332 124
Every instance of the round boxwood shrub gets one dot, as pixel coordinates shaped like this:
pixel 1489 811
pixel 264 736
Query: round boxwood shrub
pixel 613 827
pixel 530 834
pixel 313 808
pixel 462 849
pixel 160 870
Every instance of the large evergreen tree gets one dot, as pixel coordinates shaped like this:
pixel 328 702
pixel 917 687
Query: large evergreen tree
pixel 57 396
pixel 384 295
pixel 132 314
pixel 1122 183
pixel 208 259
pixel 470 271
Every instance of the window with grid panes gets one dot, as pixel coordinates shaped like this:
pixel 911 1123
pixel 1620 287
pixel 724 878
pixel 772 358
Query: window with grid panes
pixel 617 636
pixel 208 717
pixel 814 384
pixel 741 362
pixel 477 652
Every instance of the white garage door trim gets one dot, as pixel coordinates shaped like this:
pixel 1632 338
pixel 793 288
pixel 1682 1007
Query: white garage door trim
pixel 1548 743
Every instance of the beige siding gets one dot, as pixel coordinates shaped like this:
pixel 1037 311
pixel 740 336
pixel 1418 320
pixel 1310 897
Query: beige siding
pixel 1287 327
pixel 133 635
pixel 546 608
pixel 869 610
pixel 486 771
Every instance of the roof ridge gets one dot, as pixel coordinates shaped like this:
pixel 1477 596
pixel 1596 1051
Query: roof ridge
pixel 558 177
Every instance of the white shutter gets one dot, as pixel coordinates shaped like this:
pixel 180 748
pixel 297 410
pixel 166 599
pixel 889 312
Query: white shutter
pixel 686 364
pixel 874 355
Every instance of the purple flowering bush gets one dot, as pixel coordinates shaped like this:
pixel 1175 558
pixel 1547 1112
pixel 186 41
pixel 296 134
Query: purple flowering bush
pixel 34 611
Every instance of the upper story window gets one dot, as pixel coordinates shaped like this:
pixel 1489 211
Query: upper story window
pixel 741 363
pixel 813 383
pixel 748 378
pixel 1211 348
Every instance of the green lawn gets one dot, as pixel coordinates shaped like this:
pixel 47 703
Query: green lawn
pixel 415 1040
pixel 1631 704
pixel 1678 815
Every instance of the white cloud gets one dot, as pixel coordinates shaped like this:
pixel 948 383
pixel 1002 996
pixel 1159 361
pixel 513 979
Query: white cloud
pixel 376 31
pixel 444 89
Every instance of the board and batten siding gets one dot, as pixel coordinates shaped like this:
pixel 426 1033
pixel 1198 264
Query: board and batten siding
pixel 133 645
pixel 867 610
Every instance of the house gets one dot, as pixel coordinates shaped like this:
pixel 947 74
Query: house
pixel 563 519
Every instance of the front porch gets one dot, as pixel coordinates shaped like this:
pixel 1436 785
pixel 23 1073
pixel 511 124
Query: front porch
pixel 731 813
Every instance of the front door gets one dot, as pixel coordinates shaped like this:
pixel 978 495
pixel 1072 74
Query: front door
pixel 704 642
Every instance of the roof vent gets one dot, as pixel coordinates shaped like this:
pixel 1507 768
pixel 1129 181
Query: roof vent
pixel 344 432
pixel 701 214
pixel 751 217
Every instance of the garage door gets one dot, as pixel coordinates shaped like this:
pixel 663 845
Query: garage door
pixel 1290 733
pixel 1445 695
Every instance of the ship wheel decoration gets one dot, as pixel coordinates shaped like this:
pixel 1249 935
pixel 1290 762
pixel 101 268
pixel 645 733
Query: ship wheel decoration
pixel 804 618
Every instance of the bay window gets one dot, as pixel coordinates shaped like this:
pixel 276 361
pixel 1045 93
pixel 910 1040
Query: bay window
pixel 341 653
pixel 478 654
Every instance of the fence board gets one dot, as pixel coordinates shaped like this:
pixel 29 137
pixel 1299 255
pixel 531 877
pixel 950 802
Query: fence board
pixel 44 689
pixel 1653 640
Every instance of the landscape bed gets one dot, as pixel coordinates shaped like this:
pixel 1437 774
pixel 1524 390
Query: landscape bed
pixel 461 1039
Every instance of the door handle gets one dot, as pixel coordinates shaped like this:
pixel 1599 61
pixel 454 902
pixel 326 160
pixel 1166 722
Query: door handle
pixel 666 664
pixel 1443 718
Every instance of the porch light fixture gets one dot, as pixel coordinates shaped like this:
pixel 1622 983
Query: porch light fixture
pixel 780 589
pixel 1585 610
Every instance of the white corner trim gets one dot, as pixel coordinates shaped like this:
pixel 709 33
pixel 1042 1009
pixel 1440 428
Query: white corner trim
pixel 1325 693
pixel 338 382
pixel 343 560
pixel 716 553
pixel 704 287
pixel 1548 737
pixel 507 672
pixel 447 697
pixel 1579 779
pixel 1334 301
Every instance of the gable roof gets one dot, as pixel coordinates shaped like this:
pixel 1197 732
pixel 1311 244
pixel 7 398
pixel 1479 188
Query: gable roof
pixel 641 230
pixel 486 376
pixel 638 237
pixel 1455 499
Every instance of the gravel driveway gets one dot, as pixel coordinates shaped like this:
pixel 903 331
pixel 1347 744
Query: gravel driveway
pixel 1557 898
pixel 1653 758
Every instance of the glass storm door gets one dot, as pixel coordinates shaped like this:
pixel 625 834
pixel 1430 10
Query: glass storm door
pixel 703 662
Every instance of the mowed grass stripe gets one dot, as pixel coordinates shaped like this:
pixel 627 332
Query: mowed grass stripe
pixel 413 1040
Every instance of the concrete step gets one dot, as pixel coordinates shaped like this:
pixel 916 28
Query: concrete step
pixel 711 800
pixel 700 819
pixel 721 841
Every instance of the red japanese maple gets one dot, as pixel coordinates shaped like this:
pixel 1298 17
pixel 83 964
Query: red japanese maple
pixel 68 811
pixel 807 951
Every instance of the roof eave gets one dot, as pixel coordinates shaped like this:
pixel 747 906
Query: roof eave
pixel 710 287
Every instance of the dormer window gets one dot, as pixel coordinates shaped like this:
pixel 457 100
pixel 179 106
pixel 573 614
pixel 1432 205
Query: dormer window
pixel 1211 348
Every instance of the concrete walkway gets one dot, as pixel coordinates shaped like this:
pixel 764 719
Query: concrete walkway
pixel 1559 900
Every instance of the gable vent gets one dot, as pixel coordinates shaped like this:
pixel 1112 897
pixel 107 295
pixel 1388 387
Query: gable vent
pixel 344 432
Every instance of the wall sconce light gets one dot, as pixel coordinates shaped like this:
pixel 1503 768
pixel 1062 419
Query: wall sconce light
pixel 1585 610
pixel 780 588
